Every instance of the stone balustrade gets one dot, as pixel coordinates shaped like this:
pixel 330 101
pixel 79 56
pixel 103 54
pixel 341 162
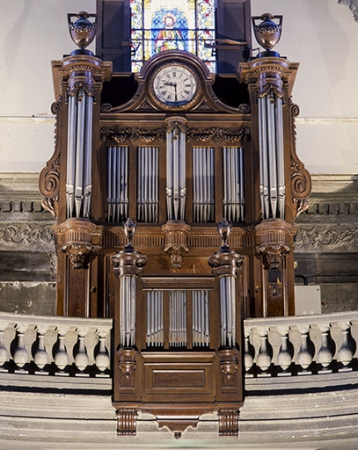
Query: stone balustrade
pixel 301 345
pixel 55 345
pixel 274 347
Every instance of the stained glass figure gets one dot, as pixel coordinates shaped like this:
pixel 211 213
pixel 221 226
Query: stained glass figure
pixel 160 25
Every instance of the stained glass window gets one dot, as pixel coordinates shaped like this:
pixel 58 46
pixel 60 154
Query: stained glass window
pixel 160 25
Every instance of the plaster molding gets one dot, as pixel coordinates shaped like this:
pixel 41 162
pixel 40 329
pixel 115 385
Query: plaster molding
pixel 24 236
pixel 324 238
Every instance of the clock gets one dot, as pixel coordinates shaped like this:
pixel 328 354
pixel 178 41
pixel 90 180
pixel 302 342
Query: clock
pixel 175 85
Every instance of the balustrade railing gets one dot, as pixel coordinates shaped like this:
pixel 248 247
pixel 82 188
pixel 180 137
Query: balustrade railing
pixel 301 345
pixel 55 345
pixel 276 346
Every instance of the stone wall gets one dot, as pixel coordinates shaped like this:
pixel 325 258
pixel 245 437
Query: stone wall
pixel 326 245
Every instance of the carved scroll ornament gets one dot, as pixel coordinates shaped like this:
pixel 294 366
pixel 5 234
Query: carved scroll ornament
pixel 49 181
pixel 301 182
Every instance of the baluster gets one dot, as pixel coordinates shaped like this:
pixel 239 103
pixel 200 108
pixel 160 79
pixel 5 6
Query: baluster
pixel 326 352
pixel 249 351
pixel 81 357
pixel 346 350
pixel 20 354
pixel 284 357
pixel 61 356
pixel 101 355
pixel 4 354
pixel 40 353
pixel 264 357
pixel 305 355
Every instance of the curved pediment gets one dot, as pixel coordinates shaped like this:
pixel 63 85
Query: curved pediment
pixel 176 81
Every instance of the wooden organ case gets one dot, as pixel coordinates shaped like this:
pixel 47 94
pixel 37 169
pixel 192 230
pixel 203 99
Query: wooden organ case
pixel 208 193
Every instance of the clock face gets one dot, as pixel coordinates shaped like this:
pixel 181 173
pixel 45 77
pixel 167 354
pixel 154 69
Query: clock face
pixel 175 85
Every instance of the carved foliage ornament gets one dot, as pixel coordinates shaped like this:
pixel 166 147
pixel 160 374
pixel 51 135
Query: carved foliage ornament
pixel 27 235
pixel 216 134
pixel 326 238
pixel 76 88
pixel 133 133
pixel 219 134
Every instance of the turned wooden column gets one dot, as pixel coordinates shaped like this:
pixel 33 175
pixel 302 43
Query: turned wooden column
pixel 226 265
pixel 127 266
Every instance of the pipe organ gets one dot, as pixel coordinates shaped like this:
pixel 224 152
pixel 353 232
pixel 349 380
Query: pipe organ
pixel 139 187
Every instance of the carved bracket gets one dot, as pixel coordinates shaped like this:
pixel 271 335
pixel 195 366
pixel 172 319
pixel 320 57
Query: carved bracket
pixel 274 239
pixel 78 254
pixel 228 422
pixel 126 421
pixel 176 238
pixel 75 238
pixel 272 255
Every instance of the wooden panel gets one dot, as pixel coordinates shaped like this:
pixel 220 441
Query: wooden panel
pixel 178 377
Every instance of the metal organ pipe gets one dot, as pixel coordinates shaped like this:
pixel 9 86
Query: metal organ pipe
pixel 148 184
pixel 203 184
pixel 127 305
pixel 117 184
pixel 228 310
pixel 272 179
pixel 79 154
pixel 176 187
pixel 234 181
pixel 280 158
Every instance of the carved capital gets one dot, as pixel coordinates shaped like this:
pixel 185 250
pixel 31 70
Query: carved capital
pixel 269 75
pixel 225 262
pixel 176 122
pixel 176 241
pixel 128 262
